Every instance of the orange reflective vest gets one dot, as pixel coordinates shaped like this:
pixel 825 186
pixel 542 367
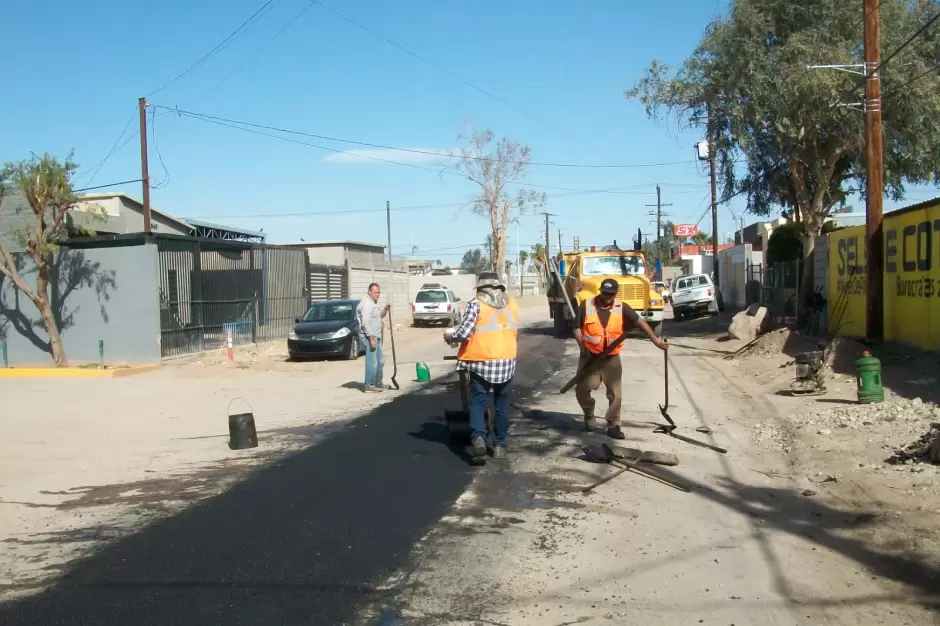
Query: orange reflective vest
pixel 596 336
pixel 495 335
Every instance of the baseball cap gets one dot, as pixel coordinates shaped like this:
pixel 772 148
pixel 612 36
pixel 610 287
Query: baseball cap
pixel 609 285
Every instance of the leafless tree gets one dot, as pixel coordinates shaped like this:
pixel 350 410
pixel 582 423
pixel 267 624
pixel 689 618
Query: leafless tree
pixel 494 168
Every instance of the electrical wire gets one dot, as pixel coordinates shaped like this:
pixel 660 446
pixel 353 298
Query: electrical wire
pixel 378 210
pixel 920 31
pixel 413 150
pixel 123 182
pixel 268 42
pixel 441 69
pixel 440 172
pixel 156 146
pixel 94 169
pixel 214 50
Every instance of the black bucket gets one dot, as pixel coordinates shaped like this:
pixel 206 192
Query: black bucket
pixel 241 429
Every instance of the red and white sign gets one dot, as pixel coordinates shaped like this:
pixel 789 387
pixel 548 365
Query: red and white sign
pixel 685 230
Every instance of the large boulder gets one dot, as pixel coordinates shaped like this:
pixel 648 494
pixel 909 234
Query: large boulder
pixel 746 324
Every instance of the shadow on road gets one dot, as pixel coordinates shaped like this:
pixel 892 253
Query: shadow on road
pixel 307 539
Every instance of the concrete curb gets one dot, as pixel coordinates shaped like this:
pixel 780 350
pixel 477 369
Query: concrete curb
pixel 74 372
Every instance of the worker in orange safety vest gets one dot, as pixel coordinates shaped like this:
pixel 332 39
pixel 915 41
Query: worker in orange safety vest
pixel 488 334
pixel 601 320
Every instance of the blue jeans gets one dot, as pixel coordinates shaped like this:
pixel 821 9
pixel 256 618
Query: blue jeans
pixel 374 362
pixel 479 390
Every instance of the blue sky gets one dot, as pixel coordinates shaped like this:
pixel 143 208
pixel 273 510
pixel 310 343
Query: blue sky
pixel 556 70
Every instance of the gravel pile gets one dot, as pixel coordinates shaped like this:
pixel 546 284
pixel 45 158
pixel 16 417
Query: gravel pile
pixel 925 449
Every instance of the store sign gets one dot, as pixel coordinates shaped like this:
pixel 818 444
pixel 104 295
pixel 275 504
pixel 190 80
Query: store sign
pixel 685 230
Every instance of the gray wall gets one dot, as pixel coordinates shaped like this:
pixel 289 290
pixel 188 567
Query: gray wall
pixel 393 281
pixel 15 215
pixel 100 293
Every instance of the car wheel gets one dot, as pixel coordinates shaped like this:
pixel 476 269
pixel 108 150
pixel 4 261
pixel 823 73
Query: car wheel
pixel 353 352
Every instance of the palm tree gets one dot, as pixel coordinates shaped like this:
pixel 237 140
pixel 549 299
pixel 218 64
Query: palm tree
pixel 523 258
pixel 538 260
pixel 701 239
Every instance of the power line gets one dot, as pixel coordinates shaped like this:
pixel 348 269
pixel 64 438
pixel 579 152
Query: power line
pixel 153 138
pixel 920 31
pixel 214 50
pixel 440 172
pixel 412 150
pixel 441 69
pixel 123 182
pixel 377 210
pixel 269 41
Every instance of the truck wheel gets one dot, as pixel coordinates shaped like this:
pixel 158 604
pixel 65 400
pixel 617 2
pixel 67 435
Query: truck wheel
pixel 657 328
pixel 560 323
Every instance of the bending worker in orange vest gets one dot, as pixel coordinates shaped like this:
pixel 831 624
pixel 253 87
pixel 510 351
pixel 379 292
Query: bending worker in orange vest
pixel 488 334
pixel 601 320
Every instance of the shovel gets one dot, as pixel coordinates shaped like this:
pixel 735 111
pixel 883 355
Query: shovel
pixel 604 454
pixel 391 335
pixel 669 429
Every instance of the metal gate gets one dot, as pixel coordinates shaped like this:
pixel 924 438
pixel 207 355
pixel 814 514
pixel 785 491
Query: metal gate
pixel 328 282
pixel 209 288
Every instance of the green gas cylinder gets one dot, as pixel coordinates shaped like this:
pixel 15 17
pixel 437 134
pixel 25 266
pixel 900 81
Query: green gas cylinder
pixel 868 379
pixel 422 372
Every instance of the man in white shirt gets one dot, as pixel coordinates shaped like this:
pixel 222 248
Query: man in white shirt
pixel 369 315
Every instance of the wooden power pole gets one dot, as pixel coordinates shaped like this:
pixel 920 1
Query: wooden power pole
pixel 714 192
pixel 874 180
pixel 144 166
pixel 388 227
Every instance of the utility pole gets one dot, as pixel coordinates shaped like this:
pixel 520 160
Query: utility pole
pixel 659 212
pixel 144 166
pixel 714 184
pixel 559 242
pixel 388 225
pixel 548 241
pixel 874 180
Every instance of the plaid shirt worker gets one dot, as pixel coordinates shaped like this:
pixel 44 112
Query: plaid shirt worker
pixel 496 372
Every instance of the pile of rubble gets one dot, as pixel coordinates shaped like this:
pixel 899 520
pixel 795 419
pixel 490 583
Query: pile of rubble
pixel 925 449
pixel 907 418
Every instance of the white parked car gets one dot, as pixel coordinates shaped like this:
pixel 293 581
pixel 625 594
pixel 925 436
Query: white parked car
pixel 435 303
pixel 692 295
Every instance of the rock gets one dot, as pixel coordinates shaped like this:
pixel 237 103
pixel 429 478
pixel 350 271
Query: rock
pixel 746 324
pixel 824 431
pixel 809 492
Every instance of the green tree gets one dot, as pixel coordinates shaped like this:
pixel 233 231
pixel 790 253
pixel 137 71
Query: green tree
pixel 474 262
pixel 45 182
pixel 492 168
pixel 702 239
pixel 788 136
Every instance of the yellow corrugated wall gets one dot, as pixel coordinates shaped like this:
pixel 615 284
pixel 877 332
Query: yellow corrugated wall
pixel 847 281
pixel 911 278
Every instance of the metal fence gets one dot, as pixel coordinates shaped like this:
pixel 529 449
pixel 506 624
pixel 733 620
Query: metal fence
pixel 209 288
pixel 781 290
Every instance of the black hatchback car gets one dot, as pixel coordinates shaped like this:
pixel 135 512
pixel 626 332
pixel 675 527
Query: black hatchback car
pixel 328 329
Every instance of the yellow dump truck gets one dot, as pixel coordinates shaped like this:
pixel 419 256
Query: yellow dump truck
pixel 580 278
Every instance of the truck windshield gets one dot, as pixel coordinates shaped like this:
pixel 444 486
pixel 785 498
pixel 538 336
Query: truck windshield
pixel 613 266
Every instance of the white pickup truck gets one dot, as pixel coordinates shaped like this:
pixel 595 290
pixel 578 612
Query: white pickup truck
pixel 692 295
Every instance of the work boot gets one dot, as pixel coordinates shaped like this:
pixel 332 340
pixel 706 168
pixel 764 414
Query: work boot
pixel 479 450
pixel 499 452
pixel 589 423
pixel 614 432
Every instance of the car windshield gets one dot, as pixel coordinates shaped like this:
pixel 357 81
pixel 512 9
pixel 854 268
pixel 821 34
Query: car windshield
pixel 431 296
pixel 613 266
pixel 330 312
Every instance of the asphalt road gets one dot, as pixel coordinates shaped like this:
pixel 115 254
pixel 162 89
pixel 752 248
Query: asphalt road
pixel 302 541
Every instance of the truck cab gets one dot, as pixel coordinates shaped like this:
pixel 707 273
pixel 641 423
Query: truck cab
pixel 584 274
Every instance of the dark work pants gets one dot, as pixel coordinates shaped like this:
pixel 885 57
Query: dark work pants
pixel 479 390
